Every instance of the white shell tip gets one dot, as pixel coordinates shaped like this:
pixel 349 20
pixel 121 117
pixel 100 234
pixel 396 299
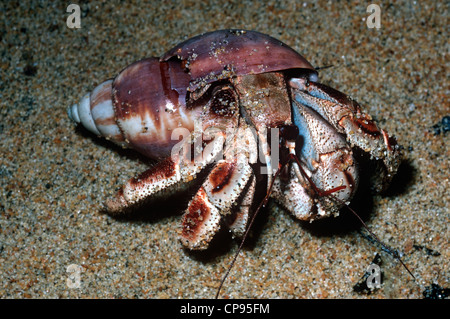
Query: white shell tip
pixel 85 115
pixel 72 113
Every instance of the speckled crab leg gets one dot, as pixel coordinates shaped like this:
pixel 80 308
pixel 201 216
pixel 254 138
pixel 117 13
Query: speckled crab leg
pixel 240 219
pixel 293 196
pixel 167 177
pixel 347 117
pixel 217 196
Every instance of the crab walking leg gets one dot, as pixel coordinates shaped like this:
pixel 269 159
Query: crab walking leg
pixel 293 196
pixel 329 164
pixel 166 177
pixel 214 199
pixel 239 221
pixel 347 117
pixel 217 196
pixel 246 148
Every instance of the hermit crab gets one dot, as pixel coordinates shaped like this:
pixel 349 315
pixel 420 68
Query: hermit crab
pixel 243 116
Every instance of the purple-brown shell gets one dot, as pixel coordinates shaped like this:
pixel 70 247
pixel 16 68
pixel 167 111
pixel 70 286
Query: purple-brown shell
pixel 149 99
pixel 152 97
pixel 221 54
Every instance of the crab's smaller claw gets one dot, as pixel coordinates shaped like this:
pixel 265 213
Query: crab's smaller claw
pixel 347 117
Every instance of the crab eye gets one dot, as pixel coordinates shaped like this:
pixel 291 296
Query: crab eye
pixel 313 77
pixel 224 102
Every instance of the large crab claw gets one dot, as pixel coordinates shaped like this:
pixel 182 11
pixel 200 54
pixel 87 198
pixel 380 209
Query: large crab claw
pixel 347 118
pixel 325 166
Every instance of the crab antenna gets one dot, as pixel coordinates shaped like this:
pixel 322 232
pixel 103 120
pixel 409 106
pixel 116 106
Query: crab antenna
pixel 393 252
pixel 323 67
